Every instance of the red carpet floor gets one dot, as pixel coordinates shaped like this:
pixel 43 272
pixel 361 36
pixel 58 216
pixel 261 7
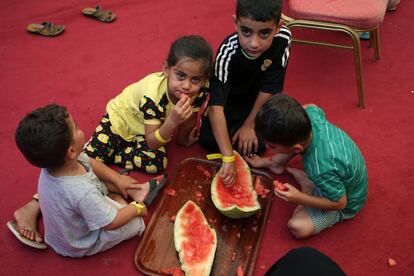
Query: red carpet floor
pixel 91 62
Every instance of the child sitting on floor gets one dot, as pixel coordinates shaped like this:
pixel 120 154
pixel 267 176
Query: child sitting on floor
pixel 141 120
pixel 82 215
pixel 250 67
pixel 335 185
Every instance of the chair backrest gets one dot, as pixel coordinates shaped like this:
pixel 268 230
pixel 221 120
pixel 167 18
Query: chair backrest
pixel 359 14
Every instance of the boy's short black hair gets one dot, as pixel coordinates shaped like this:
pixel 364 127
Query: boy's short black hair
pixel 259 10
pixel 44 136
pixel 194 47
pixel 283 121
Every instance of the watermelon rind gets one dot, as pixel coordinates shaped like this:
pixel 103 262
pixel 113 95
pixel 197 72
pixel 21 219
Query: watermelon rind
pixel 180 223
pixel 235 211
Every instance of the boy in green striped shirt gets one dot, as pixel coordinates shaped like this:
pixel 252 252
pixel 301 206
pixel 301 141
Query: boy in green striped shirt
pixel 335 183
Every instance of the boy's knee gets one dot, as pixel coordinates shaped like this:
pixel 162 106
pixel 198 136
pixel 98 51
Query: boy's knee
pixel 299 228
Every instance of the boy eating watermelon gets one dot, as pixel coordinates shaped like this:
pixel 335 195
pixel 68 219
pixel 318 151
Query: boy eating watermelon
pixel 335 183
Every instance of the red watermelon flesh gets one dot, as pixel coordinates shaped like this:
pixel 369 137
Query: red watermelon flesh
pixel 194 240
pixel 239 200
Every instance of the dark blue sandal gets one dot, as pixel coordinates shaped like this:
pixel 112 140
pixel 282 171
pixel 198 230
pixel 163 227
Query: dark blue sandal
pixel 364 36
pixel 125 171
pixel 154 189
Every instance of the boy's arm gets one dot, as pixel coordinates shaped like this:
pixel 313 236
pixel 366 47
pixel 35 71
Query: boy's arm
pixel 106 174
pixel 295 196
pixel 219 127
pixel 332 186
pixel 103 172
pixel 246 134
pixel 125 215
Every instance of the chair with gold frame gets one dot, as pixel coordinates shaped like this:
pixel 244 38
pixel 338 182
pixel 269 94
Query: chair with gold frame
pixel 347 16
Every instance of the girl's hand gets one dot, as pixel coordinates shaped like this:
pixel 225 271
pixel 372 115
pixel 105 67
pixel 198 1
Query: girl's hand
pixel 192 136
pixel 125 182
pixel 290 195
pixel 181 110
pixel 247 140
pixel 228 173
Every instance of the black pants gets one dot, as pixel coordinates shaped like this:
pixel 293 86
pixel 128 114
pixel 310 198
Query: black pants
pixel 110 148
pixel 235 118
pixel 305 261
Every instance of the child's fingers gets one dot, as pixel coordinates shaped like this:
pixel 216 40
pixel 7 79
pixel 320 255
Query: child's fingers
pixel 133 181
pixel 243 147
pixel 183 107
pixel 184 96
pixel 249 148
pixel 256 143
pixel 234 138
pixel 184 100
pixel 124 193
pixel 194 132
pixel 135 186
pixel 280 194
pixel 187 112
pixel 180 102
pixel 277 193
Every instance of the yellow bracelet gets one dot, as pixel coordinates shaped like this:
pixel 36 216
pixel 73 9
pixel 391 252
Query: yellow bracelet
pixel 138 206
pixel 228 159
pixel 159 138
pixel 214 156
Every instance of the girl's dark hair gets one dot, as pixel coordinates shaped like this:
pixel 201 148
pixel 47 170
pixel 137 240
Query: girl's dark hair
pixel 283 121
pixel 194 47
pixel 44 136
pixel 259 10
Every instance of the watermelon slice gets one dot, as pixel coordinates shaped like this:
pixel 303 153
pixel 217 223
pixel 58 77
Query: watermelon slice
pixel 194 240
pixel 239 200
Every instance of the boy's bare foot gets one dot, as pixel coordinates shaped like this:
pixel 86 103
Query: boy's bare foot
pixel 277 169
pixel 276 163
pixel 139 195
pixel 26 218
pixel 265 162
pixel 256 161
pixel 302 179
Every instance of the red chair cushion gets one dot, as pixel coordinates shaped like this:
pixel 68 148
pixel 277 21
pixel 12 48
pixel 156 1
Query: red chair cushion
pixel 360 14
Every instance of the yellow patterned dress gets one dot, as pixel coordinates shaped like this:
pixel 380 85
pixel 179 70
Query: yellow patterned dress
pixel 120 137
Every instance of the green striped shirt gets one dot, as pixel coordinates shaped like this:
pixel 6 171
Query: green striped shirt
pixel 334 163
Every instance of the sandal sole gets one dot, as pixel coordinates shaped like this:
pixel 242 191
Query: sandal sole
pixel 36 29
pixel 90 12
pixel 12 225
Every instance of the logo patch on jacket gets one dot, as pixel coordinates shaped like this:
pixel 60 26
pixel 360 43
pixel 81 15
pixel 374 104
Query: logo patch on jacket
pixel 266 64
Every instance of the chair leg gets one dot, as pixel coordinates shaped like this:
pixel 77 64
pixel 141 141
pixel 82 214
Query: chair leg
pixel 377 51
pixel 356 47
pixel 358 69
pixel 371 39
